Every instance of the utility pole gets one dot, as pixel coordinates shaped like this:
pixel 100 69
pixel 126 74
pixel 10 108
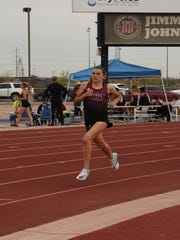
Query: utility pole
pixel 89 46
pixel 28 10
pixel 16 63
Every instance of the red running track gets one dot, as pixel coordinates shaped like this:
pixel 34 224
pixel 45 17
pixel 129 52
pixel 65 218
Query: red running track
pixel 38 169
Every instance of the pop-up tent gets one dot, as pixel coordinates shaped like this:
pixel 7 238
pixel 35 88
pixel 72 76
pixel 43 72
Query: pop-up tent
pixel 118 69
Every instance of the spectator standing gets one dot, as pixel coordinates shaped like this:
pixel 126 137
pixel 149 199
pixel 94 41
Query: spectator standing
pixel 77 106
pixel 25 106
pixel 55 92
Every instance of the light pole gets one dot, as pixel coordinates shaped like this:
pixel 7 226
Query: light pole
pixel 120 53
pixel 28 10
pixel 89 46
pixel 167 64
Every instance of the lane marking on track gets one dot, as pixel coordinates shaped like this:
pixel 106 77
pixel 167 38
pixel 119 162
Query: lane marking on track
pixel 72 152
pixel 16 148
pixel 55 175
pixel 6 199
pixel 80 159
pixel 67 139
pixel 81 188
pixel 95 220
pixel 12 147
pixel 56 139
pixel 69 131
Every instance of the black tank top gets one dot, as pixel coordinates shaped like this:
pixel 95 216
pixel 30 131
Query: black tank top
pixel 25 103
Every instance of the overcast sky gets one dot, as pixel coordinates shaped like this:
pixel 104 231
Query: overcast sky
pixel 59 41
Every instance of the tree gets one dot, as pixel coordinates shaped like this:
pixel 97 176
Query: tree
pixel 64 77
pixel 7 74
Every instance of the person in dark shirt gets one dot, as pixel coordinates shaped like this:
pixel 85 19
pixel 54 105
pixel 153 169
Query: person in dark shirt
pixel 95 96
pixel 144 99
pixel 55 92
pixel 164 111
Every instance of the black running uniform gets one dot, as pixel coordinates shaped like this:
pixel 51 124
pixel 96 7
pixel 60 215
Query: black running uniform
pixel 95 106
pixel 24 103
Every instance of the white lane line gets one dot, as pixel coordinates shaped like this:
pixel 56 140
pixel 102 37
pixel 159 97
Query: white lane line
pixel 95 220
pixel 81 188
pixel 125 132
pixel 13 148
pixel 67 162
pixel 62 174
pixel 6 199
pixel 78 138
pixel 80 159
pixel 72 152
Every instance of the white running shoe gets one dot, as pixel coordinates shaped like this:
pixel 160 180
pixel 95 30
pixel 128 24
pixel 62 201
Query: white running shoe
pixel 83 174
pixel 114 161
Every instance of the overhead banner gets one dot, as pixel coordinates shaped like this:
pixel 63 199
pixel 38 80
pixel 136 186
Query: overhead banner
pixel 138 29
pixel 139 6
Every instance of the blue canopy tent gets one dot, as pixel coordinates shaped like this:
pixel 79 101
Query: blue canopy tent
pixel 118 69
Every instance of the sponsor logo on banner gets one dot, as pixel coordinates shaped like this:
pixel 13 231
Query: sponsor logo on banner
pixel 91 3
pixel 127 27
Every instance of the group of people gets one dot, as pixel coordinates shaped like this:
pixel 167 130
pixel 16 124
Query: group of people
pixel 96 101
pixel 54 93
pixel 95 97
pixel 137 97
pixel 140 97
